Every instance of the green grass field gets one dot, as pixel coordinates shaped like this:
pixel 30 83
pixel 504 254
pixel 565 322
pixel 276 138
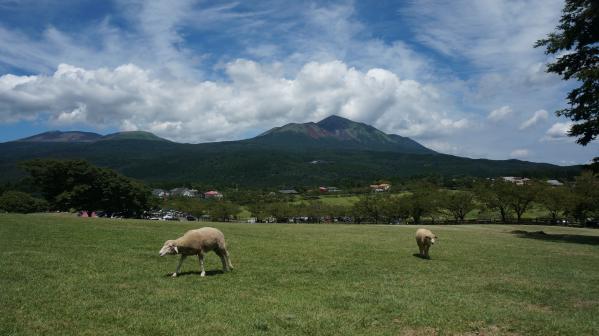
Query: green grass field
pixel 61 275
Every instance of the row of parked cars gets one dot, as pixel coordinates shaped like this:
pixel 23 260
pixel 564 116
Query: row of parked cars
pixel 169 215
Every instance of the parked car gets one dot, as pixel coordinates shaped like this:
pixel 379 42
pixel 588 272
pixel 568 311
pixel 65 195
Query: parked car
pixel 191 218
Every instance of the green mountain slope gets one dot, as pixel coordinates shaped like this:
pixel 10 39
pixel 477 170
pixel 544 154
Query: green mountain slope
pixel 340 133
pixel 133 135
pixel 250 165
pixel 335 151
pixel 58 136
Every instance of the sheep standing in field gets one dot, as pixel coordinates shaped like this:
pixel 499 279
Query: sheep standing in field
pixel 425 238
pixel 198 242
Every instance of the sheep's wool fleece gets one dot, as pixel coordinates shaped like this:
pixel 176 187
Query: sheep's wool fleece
pixel 423 233
pixel 204 239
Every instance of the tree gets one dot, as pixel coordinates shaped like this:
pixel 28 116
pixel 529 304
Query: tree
pixel 521 197
pixel 495 195
pixel 423 200
pixel 191 205
pixel 259 210
pixel 458 204
pixel 586 197
pixel 77 184
pixel 395 209
pixel 17 201
pixel 369 207
pixel 222 210
pixel 577 40
pixel 557 200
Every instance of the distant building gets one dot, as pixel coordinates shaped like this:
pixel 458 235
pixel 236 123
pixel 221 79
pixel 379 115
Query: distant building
pixel 190 193
pixel 184 192
pixel 516 180
pixel 160 193
pixel 213 194
pixel 328 189
pixel 380 187
pixel 554 183
pixel 288 191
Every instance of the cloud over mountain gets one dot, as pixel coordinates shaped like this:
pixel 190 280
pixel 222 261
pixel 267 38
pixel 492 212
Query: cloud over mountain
pixel 195 70
pixel 254 96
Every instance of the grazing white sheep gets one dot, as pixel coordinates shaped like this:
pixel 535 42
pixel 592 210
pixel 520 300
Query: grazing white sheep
pixel 198 242
pixel 425 238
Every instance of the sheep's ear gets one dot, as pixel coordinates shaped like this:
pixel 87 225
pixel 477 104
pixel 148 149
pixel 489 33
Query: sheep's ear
pixel 176 250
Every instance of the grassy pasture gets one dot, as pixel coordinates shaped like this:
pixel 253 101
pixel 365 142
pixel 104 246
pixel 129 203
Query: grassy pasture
pixel 62 275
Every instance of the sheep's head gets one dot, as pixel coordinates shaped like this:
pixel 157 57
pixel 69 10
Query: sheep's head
pixel 168 248
pixel 431 239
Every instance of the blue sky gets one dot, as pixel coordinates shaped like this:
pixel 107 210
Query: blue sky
pixel 459 76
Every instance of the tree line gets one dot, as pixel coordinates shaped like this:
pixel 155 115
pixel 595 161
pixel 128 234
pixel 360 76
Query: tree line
pixel 578 201
pixel 65 185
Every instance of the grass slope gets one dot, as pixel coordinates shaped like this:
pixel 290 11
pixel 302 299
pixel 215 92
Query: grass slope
pixel 69 276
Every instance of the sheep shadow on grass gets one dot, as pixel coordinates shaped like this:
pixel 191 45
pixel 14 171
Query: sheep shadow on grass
pixel 560 238
pixel 417 255
pixel 208 273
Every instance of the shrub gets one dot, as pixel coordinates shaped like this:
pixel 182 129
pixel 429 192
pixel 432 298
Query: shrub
pixel 17 201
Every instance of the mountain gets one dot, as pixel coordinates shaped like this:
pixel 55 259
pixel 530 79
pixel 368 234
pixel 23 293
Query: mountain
pixel 133 135
pixel 340 133
pixel 58 136
pixel 76 136
pixel 334 151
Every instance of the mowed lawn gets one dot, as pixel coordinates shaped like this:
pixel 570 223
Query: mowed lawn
pixel 61 275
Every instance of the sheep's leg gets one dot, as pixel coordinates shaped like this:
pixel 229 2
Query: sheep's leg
pixel 224 258
pixel 201 257
pixel 223 261
pixel 179 265
pixel 228 260
pixel 426 252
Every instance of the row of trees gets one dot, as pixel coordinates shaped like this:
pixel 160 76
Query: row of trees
pixel 508 201
pixel 218 210
pixel 76 184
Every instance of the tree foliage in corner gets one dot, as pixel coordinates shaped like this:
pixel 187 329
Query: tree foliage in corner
pixel 20 202
pixel 578 36
pixel 77 184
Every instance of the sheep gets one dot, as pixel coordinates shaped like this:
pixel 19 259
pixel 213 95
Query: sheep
pixel 200 242
pixel 425 238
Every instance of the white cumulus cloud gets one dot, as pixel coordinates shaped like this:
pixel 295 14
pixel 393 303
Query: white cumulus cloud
pixel 558 131
pixel 254 96
pixel 538 116
pixel 500 113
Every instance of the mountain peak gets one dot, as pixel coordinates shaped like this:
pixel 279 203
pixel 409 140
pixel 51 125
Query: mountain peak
pixel 58 136
pixel 133 135
pixel 335 122
pixel 338 133
pixel 77 136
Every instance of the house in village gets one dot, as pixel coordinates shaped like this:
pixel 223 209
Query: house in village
pixel 160 193
pixel 288 191
pixel 380 187
pixel 328 189
pixel 213 194
pixel 516 180
pixel 554 183
pixel 184 192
